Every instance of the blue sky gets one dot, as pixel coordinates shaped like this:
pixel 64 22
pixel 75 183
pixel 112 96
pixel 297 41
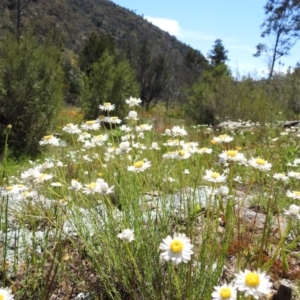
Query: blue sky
pixel 199 23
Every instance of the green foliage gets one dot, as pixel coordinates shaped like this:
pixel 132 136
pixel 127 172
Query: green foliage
pixel 217 96
pixel 31 91
pixel 94 48
pixel 110 80
pixel 282 22
pixel 218 55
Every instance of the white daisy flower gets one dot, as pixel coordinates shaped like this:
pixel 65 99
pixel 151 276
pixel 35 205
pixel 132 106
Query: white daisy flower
pixel 107 106
pixel 90 125
pixel 155 146
pixel 88 144
pixel 223 138
pixel 141 135
pixel 178 131
pixel 293 194
pixel 238 179
pixel 177 249
pixel 144 127
pixel 170 154
pixel 169 179
pixel 204 150
pixel 102 119
pixel 28 194
pixel 100 139
pixel 139 146
pixel 43 177
pixel 223 191
pixel 83 136
pixel 296 162
pixel 128 137
pixel 133 101
pixel 13 190
pixel 167 132
pixel 212 176
pixel 31 174
pixel 103 188
pixel 260 164
pixel 182 154
pixel 90 188
pixel 171 143
pixel 231 155
pixel 281 177
pixel 75 185
pixel 256 284
pixel 124 147
pixel 127 235
pixel 71 128
pixel 186 172
pixel 56 184
pixel 50 140
pixel 6 294
pixel 132 115
pixel 139 166
pixel 224 292
pixel 191 147
pixel 293 211
pixel 125 128
pixel 114 120
pixel 293 174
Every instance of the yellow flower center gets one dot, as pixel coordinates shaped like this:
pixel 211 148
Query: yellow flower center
pixel 143 125
pixel 69 125
pixel 203 149
pixel 90 122
pixel 222 136
pixel 181 153
pixel 213 142
pixel 1 297
pixel 138 164
pixel 260 161
pixel 9 188
pixel 176 246
pixel 114 118
pixel 99 136
pixel 238 148
pixel 106 104
pixel 100 174
pixel 92 185
pixel 215 175
pixel 252 279
pixel 101 117
pixel 48 137
pixel 231 153
pixel 225 292
pixel 297 193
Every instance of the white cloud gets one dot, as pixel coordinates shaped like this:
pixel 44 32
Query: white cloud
pixel 173 28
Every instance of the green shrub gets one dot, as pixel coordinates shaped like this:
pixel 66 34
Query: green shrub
pixel 30 91
pixel 110 80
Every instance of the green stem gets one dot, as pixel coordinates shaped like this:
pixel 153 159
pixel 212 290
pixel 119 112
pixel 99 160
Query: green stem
pixel 134 262
pixel 259 262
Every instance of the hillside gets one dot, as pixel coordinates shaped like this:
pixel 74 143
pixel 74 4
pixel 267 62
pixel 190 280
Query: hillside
pixel 74 20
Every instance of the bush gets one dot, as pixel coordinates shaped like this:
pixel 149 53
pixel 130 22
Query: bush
pixel 30 91
pixel 110 80
pixel 217 96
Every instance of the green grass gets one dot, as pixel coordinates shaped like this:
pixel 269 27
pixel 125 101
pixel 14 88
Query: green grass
pixel 70 238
